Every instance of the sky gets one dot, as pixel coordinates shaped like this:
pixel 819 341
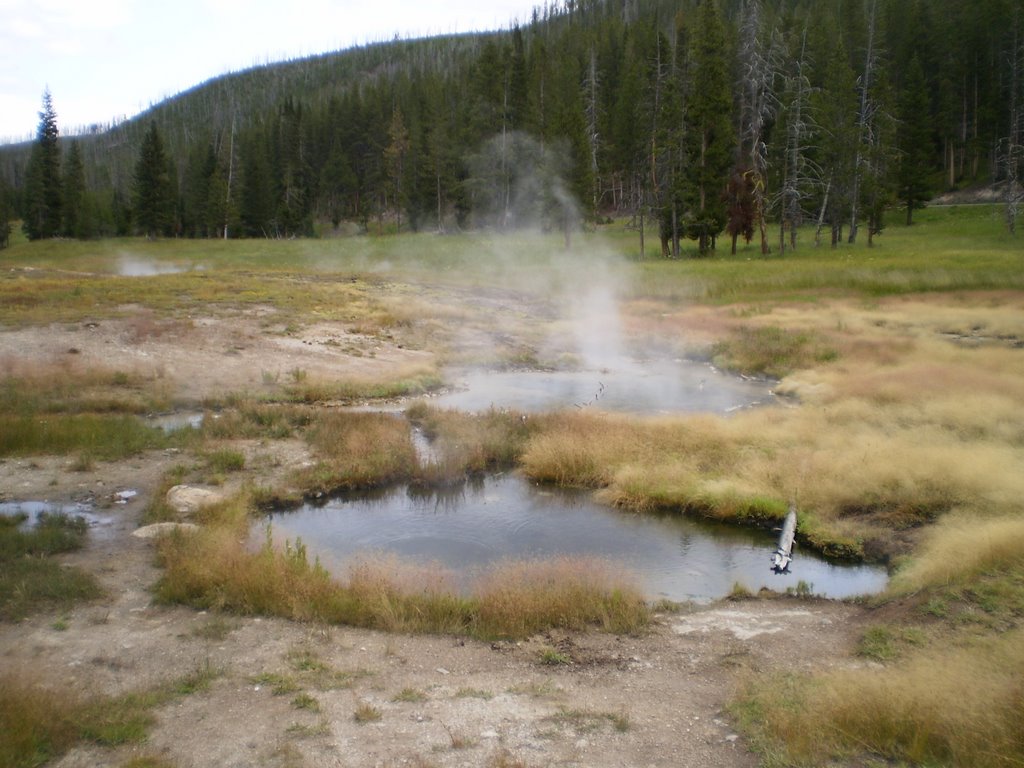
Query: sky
pixel 111 59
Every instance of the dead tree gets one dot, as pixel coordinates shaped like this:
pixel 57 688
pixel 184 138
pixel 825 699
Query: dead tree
pixel 760 67
pixel 863 121
pixel 1012 147
pixel 798 170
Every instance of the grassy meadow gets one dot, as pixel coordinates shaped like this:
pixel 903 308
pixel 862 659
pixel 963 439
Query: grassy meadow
pixel 899 438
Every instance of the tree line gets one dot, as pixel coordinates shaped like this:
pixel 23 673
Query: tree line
pixel 743 119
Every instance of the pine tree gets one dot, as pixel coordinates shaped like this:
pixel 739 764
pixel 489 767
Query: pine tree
pixel 257 202
pixel 915 147
pixel 394 160
pixel 6 211
pixel 834 104
pixel 710 139
pixel 74 217
pixel 154 192
pixel 42 215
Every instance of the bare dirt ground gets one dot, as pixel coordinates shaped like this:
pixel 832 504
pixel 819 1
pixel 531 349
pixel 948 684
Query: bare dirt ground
pixel 209 356
pixel 287 694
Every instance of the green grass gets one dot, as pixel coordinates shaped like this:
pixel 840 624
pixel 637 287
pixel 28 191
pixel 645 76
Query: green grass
pixel 31 579
pixel 410 695
pixel 66 388
pixel 947 249
pixel 100 436
pixel 770 351
pixel 355 390
pixel 964 248
pixel 225 460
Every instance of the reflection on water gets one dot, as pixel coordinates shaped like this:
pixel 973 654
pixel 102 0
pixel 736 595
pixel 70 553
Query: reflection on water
pixel 470 526
pixel 33 509
pixel 668 386
pixel 173 422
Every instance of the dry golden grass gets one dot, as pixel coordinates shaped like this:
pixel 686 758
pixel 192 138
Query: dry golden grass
pixel 464 443
pixel 357 450
pixel 520 598
pixel 215 568
pixel 397 596
pixel 72 386
pixel 904 427
pixel 960 706
pixel 960 547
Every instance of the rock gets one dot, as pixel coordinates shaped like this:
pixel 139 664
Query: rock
pixel 187 499
pixel 159 529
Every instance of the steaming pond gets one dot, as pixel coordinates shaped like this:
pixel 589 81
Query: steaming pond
pixel 504 516
pixel 647 387
pixel 136 266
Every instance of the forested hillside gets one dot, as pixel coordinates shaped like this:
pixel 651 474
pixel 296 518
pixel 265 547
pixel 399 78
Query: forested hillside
pixel 741 119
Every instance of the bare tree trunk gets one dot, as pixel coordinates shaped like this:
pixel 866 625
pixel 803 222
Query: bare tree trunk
pixel 592 120
pixel 231 176
pixel 760 62
pixel 440 216
pixel 821 213
pixel 1015 137
pixel 951 152
pixel 643 252
pixel 862 121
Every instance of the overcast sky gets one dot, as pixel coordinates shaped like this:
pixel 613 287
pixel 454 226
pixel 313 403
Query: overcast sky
pixel 105 59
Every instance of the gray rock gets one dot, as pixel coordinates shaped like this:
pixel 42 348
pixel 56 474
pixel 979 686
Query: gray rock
pixel 187 499
pixel 160 529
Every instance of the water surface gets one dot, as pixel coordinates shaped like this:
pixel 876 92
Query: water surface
pixel 505 516
pixel 33 509
pixel 629 386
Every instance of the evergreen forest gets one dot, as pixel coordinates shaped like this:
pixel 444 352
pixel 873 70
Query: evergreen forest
pixel 711 122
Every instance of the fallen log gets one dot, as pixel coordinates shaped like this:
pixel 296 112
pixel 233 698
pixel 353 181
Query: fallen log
pixel 784 551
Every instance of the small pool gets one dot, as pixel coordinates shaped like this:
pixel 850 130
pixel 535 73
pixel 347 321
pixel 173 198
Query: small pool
pixel 506 517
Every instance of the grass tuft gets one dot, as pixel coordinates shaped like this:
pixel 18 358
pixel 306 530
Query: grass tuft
pixel 520 598
pixel 367 713
pixel 357 450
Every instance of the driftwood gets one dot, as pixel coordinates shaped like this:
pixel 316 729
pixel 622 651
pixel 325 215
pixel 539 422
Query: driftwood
pixel 784 552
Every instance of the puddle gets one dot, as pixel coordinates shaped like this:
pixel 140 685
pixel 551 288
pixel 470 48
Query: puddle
pixel 33 509
pixel 173 422
pixel 504 516
pixel 645 387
